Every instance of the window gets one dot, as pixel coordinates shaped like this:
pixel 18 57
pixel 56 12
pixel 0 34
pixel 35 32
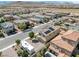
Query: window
pixel 51 28
pixel 48 31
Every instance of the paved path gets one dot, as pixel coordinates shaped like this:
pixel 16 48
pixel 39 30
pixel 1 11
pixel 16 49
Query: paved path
pixel 21 35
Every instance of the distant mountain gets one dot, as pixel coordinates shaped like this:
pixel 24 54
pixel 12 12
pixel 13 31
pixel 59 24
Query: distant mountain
pixel 35 2
pixel 57 4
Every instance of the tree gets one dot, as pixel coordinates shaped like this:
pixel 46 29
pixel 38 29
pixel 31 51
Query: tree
pixel 2 20
pixel 31 35
pixel 73 21
pixel 39 54
pixel 43 51
pixel 18 41
pixel 19 53
pixel 47 46
pixel 57 24
pixel 1 34
pixel 25 53
pixel 46 19
pixel 67 25
pixel 43 13
pixel 22 26
pixel 29 11
pixel 31 25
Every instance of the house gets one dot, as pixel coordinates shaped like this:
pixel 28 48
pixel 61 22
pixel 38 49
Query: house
pixel 27 46
pixel 74 26
pixel 21 21
pixel 32 46
pixel 34 13
pixel 11 17
pixel 59 14
pixel 74 15
pixel 36 20
pixel 16 17
pixel 25 16
pixel 36 44
pixel 69 19
pixel 52 15
pixel 8 17
pixel 7 27
pixel 64 45
pixel 43 18
pixel 47 34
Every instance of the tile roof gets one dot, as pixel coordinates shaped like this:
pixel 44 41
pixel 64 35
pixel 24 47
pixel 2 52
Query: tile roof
pixel 71 35
pixel 57 41
pixel 59 54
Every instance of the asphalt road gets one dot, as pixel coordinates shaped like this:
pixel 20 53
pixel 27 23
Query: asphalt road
pixel 22 35
pixel 11 39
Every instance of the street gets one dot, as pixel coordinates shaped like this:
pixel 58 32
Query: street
pixel 22 35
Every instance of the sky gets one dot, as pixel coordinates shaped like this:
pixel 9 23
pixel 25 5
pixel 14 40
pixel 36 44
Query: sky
pixel 75 1
pixel 39 0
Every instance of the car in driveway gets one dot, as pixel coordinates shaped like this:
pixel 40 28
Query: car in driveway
pixel 49 54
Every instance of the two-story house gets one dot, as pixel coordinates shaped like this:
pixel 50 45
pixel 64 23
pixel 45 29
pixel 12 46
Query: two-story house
pixel 7 27
pixel 64 45
pixel 48 34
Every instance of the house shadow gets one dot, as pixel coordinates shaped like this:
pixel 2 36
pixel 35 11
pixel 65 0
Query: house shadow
pixel 12 32
pixel 35 41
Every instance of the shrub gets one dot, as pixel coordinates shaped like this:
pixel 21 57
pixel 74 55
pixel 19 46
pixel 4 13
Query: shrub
pixel 18 41
pixel 31 34
pixel 39 54
pixel 43 51
pixel 2 20
pixel 19 53
pixel 22 26
pixel 25 53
